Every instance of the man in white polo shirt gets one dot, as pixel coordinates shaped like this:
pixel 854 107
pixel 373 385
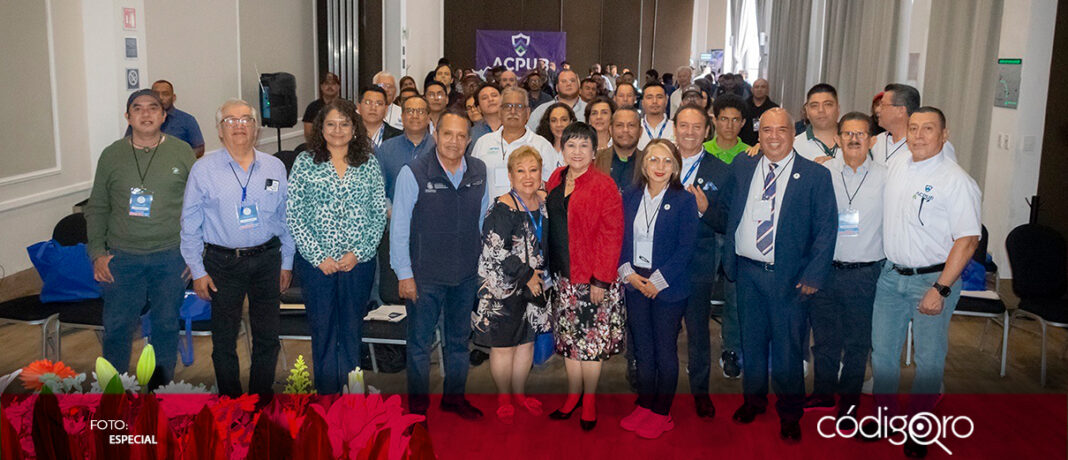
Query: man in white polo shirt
pixel 931 229
pixel 494 148
pixel 655 123
pixel 818 143
pixel 897 105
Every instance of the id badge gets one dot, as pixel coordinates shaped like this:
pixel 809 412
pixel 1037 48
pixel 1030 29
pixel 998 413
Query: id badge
pixel 500 177
pixel 140 202
pixel 643 254
pixel 762 210
pixel 248 216
pixel 849 223
pixel 756 125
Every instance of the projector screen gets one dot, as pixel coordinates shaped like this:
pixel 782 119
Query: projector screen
pixel 26 121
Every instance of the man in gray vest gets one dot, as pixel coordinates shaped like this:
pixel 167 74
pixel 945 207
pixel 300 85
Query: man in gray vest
pixel 435 240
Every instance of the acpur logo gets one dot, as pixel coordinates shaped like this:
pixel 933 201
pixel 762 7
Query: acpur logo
pixel 521 43
pixel 923 428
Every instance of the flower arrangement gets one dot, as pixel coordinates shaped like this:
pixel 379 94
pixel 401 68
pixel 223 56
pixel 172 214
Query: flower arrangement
pixel 191 422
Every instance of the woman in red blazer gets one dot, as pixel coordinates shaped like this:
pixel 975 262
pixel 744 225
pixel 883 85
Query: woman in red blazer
pixel 585 237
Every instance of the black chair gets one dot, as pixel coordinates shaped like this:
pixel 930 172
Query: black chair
pixel 1038 256
pixel 986 304
pixel 293 323
pixel 288 157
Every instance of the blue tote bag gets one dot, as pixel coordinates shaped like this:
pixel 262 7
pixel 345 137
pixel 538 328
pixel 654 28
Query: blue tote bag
pixel 66 271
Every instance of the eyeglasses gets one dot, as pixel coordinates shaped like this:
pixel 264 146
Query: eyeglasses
pixel 435 95
pixel 337 125
pixel 853 134
pixel 516 107
pixel 371 103
pixel 235 121
pixel 732 121
pixel 416 111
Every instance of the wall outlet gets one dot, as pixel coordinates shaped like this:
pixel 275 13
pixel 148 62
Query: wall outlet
pixel 1003 141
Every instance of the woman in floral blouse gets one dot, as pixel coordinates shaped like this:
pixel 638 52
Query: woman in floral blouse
pixel 336 213
pixel 512 308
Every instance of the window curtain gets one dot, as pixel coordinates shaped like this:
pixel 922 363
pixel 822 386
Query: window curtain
pixel 961 72
pixel 788 52
pixel 860 49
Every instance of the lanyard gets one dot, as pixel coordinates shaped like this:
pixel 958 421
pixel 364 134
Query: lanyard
pixel 143 175
pixel 659 134
pixel 846 186
pixel 377 140
pixel 829 151
pixel 537 224
pixel 886 145
pixel 649 220
pixel 244 188
pixel 694 167
pixel 777 176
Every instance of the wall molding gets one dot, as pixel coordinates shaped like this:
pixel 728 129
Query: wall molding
pixel 57 168
pixel 46 195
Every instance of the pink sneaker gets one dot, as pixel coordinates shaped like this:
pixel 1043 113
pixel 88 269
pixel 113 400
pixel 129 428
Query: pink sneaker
pixel 635 419
pixel 655 425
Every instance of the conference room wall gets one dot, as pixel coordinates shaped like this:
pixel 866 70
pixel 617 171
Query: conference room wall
pixel 618 31
pixel 30 208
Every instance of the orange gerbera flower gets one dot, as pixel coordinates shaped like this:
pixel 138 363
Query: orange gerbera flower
pixel 31 375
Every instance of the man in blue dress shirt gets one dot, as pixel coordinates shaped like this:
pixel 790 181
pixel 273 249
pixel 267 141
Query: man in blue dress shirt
pixel 236 243
pixel 178 123
pixel 396 152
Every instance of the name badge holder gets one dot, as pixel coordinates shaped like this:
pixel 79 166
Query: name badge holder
pixel 140 202
pixel 248 216
pixel 849 223
pixel 762 210
pixel 643 245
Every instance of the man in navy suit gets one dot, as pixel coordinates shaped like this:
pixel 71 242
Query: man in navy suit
pixel 781 223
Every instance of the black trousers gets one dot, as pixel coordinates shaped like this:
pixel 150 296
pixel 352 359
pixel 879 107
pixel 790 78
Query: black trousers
pixel 773 319
pixel 256 276
pixel 840 315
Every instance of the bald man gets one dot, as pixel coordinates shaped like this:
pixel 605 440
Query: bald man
pixel 755 107
pixel 388 83
pixel 781 225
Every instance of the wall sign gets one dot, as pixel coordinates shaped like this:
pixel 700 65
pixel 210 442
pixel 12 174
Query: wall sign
pixel 131 47
pixel 133 79
pixel 1007 89
pixel 129 18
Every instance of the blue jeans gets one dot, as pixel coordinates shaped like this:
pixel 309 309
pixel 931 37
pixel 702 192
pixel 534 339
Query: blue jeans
pixel 655 324
pixel 454 305
pixel 896 300
pixel 153 279
pixel 336 305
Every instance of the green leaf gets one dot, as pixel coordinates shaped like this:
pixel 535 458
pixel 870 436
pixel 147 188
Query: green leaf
pixel 114 386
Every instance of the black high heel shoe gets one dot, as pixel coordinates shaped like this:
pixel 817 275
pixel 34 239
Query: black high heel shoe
pixel 560 415
pixel 587 425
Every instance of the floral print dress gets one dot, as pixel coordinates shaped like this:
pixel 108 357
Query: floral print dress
pixel 511 252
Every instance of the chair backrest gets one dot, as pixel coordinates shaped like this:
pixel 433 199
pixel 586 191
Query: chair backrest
pixel 1039 260
pixel 387 279
pixel 288 157
pixel 71 230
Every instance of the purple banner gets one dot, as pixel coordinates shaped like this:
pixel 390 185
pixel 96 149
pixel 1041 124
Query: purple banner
pixel 518 50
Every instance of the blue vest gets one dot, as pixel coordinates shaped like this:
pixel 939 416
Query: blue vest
pixel 445 238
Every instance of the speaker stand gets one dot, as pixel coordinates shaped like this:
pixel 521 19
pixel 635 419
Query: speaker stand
pixel 279 138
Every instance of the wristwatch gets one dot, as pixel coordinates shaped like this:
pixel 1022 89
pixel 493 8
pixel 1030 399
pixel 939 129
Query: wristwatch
pixel 942 290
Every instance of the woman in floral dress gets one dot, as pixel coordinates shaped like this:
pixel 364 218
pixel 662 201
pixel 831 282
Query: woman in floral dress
pixel 585 238
pixel 512 309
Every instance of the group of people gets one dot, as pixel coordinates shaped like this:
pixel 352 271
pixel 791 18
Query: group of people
pixel 606 220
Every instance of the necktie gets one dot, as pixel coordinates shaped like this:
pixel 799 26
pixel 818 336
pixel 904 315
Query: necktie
pixel 765 237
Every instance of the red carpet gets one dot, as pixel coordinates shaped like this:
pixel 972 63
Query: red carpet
pixel 1005 427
